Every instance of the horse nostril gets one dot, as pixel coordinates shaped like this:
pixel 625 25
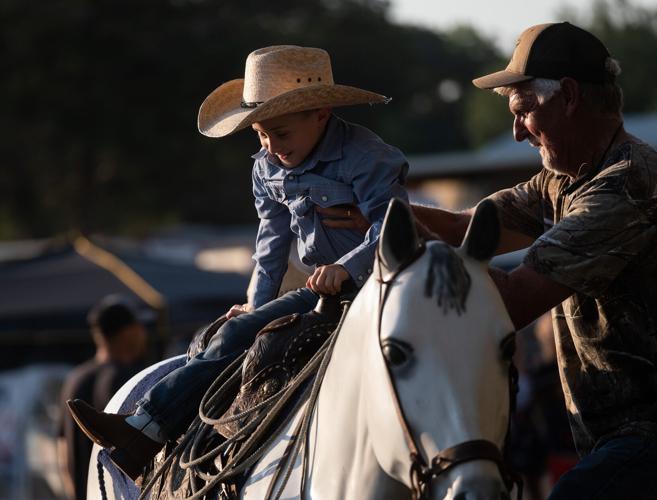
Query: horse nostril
pixel 465 496
pixel 480 488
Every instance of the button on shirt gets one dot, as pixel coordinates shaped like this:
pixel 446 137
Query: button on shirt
pixel 350 165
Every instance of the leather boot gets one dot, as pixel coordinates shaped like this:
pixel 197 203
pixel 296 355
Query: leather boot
pixel 130 449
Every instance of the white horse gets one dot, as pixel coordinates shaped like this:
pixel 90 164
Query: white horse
pixel 415 397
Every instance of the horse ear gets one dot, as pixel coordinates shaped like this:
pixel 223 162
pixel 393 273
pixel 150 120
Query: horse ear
pixel 399 241
pixel 483 234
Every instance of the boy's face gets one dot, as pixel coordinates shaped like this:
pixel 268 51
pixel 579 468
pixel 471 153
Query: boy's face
pixel 292 137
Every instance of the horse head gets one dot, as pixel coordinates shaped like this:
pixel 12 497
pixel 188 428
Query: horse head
pixel 442 329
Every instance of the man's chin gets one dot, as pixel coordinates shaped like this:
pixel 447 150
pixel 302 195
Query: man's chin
pixel 548 165
pixel 548 162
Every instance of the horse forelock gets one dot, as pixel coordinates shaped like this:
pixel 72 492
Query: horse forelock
pixel 447 278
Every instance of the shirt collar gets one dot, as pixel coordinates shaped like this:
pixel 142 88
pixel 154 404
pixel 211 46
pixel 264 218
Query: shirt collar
pixel 592 172
pixel 328 149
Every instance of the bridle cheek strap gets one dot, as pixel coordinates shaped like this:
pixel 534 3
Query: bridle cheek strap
pixel 421 474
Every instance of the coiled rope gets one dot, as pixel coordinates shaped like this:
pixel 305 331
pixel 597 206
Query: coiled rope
pixel 255 437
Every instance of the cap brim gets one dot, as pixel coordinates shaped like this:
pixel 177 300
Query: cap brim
pixel 500 79
pixel 221 113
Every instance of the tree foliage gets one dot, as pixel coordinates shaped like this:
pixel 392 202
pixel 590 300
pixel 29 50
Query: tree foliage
pixel 629 32
pixel 100 100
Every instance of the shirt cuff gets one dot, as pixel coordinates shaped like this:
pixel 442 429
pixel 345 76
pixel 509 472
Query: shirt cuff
pixel 358 264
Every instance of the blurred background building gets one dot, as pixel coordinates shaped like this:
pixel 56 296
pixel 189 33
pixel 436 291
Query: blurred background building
pixel 107 187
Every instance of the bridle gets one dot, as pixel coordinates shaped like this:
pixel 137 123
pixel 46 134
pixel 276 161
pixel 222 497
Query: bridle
pixel 421 473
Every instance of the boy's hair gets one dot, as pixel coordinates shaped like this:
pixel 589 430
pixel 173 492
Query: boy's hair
pixel 110 316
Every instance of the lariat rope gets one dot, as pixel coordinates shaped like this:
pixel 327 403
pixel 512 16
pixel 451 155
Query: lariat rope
pixel 214 401
pixel 299 438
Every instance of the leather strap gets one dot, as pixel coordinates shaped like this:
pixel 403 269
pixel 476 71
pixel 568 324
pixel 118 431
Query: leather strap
pixel 421 474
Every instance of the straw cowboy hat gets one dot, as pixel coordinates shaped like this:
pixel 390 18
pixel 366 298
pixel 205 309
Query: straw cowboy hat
pixel 277 80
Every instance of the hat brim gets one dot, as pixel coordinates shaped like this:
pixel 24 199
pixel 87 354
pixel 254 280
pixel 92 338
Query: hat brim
pixel 500 79
pixel 221 113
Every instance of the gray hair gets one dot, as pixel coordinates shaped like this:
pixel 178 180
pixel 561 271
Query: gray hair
pixel 605 97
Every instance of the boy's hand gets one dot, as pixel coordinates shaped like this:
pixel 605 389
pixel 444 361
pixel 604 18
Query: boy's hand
pixel 238 309
pixel 327 280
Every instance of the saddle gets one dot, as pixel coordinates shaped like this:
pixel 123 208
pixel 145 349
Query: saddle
pixel 280 351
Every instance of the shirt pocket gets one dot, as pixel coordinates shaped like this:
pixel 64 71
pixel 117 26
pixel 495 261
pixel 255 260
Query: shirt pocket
pixel 331 195
pixel 275 189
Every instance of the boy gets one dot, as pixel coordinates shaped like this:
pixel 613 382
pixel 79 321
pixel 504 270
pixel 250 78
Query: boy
pixel 309 158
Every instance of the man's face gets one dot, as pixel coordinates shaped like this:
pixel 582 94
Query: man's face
pixel 292 137
pixel 542 126
pixel 135 341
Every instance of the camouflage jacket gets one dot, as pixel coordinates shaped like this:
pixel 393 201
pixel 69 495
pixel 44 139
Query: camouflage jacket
pixel 598 236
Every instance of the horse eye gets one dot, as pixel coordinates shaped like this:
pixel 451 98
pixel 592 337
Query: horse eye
pixel 396 353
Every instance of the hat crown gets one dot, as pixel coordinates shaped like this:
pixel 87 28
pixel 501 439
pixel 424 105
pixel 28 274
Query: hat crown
pixel 520 56
pixel 553 51
pixel 272 71
pixel 556 50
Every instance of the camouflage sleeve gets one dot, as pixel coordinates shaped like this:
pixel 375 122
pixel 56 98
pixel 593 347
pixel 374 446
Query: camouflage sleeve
pixel 603 229
pixel 519 207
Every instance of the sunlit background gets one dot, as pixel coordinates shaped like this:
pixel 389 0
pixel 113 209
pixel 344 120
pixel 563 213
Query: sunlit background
pixel 107 187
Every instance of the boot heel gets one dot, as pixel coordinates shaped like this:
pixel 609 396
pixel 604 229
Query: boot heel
pixel 124 461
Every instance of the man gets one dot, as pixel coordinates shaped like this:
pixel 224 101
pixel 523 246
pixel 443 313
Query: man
pixel 589 220
pixel 120 341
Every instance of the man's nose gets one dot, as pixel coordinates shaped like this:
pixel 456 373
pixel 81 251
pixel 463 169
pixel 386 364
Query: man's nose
pixel 520 132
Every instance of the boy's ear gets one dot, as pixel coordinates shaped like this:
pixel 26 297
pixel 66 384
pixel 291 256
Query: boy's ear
pixel 323 114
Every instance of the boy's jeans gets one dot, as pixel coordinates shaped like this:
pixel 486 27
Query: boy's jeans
pixel 173 402
pixel 621 468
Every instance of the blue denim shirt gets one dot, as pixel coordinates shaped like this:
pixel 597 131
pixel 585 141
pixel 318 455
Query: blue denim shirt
pixel 350 164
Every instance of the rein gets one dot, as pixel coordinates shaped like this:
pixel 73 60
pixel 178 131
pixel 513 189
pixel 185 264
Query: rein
pixel 421 473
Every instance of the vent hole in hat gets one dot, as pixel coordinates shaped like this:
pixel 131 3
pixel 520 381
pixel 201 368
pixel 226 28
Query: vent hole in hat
pixel 319 78
pixel 298 80
pixel 310 79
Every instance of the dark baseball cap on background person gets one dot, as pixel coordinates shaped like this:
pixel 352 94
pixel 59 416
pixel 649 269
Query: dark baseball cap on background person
pixel 111 314
pixel 553 51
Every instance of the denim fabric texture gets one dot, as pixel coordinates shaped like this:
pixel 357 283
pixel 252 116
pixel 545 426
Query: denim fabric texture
pixel 622 468
pixel 173 402
pixel 350 165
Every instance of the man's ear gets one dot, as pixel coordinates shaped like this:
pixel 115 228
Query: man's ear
pixel 571 94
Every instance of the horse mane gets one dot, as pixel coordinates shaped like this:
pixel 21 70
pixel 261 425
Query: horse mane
pixel 447 279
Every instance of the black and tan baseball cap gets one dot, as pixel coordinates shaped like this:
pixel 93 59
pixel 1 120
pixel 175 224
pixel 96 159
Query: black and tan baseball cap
pixel 553 51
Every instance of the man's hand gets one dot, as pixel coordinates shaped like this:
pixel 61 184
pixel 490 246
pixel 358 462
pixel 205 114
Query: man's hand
pixel 238 309
pixel 327 280
pixel 344 217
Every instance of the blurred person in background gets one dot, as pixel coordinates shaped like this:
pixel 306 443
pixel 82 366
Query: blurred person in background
pixel 541 447
pixel 120 341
